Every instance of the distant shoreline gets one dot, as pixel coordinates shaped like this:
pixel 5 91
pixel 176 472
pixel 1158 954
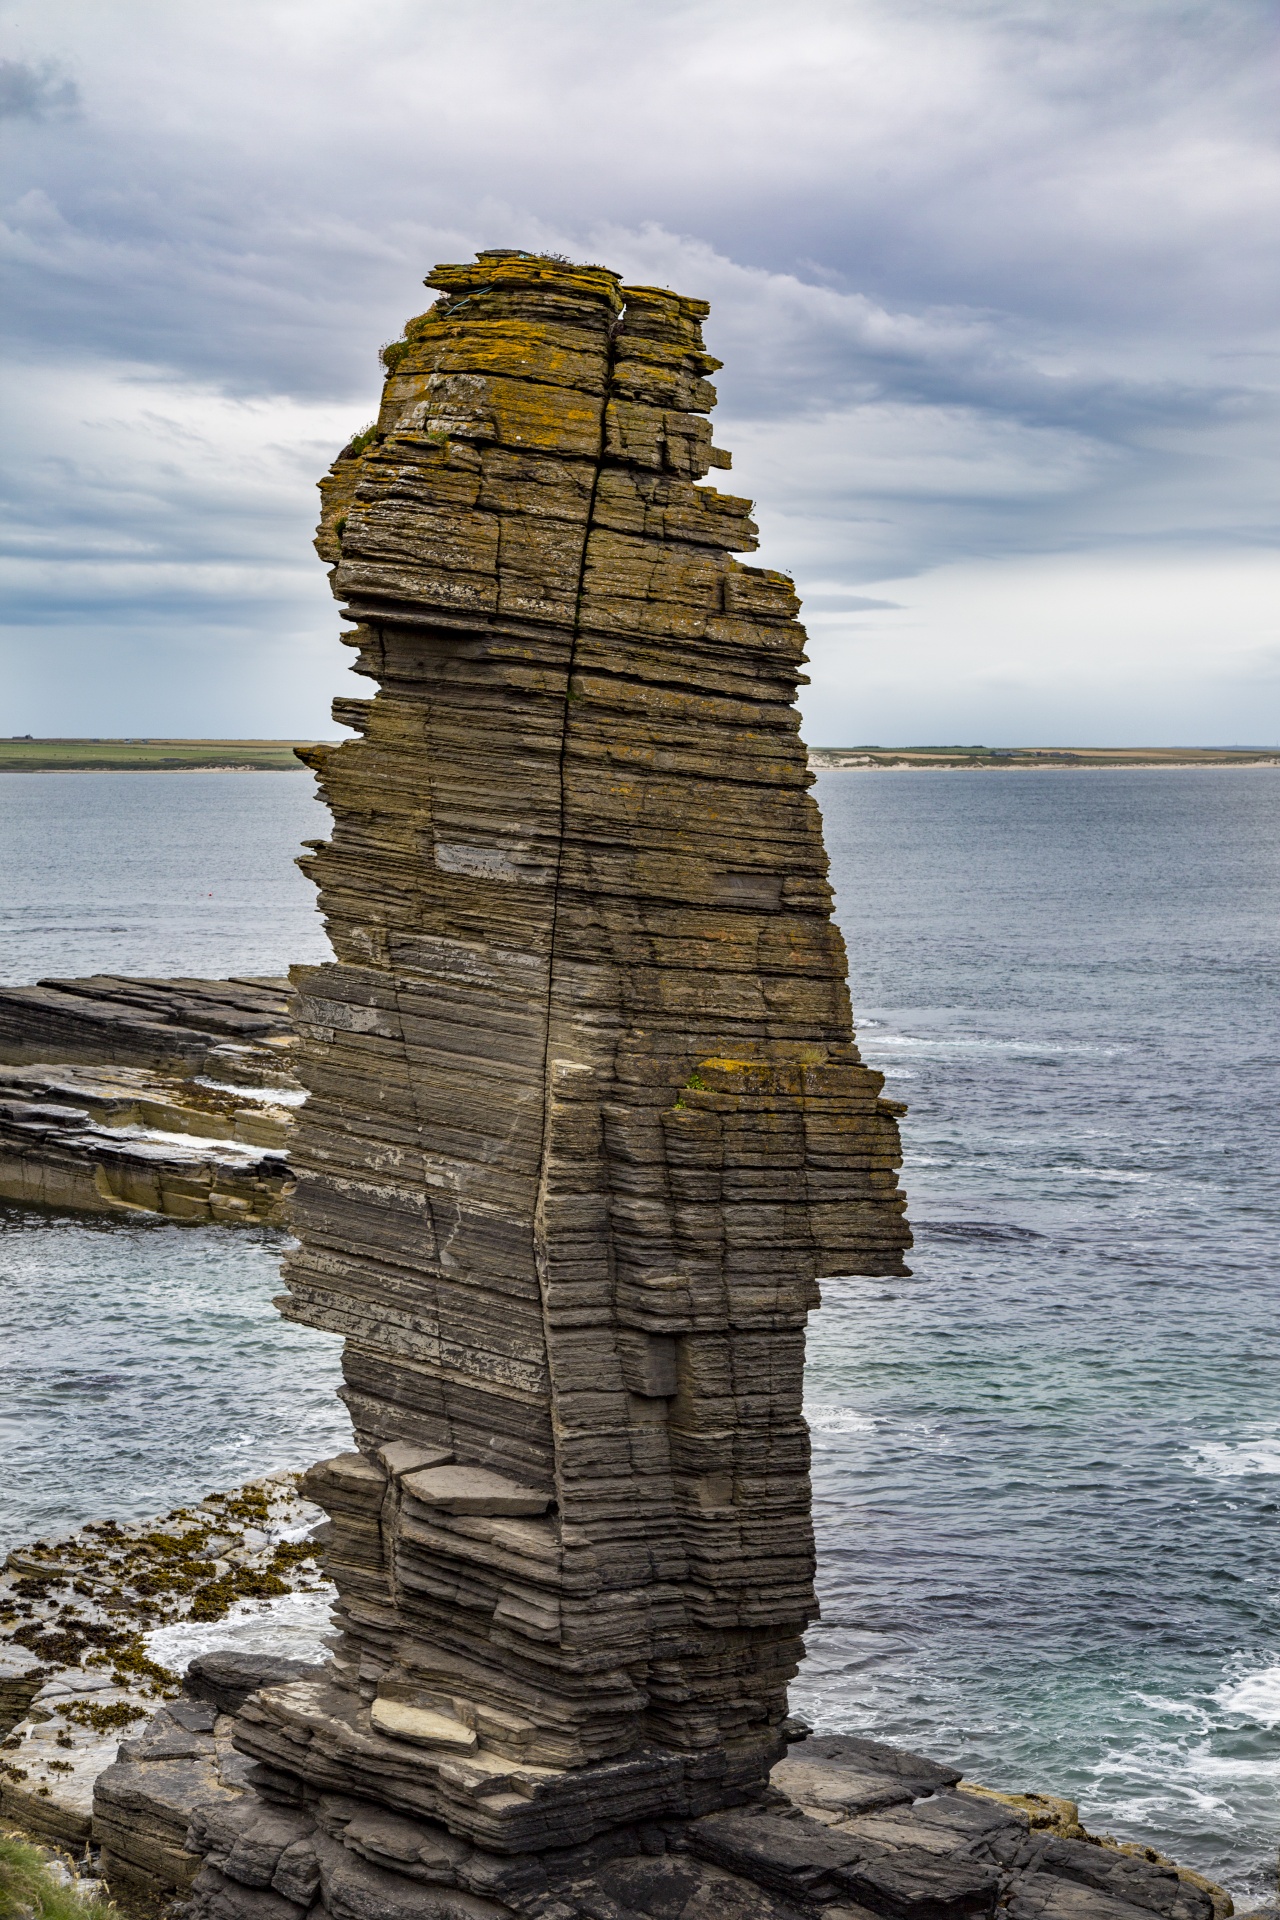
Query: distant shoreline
pixel 67 755
pixel 153 755
pixel 1035 759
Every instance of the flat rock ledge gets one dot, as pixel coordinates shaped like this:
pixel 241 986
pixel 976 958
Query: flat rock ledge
pixel 76 1615
pixel 147 1096
pixel 848 1828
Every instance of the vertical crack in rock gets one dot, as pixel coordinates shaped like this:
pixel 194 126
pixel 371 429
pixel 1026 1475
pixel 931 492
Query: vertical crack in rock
pixel 586 1121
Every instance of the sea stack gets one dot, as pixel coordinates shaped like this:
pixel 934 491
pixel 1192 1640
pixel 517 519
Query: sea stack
pixel 586 1122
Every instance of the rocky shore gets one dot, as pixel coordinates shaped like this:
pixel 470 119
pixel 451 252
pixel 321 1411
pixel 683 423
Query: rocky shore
pixel 171 1097
pixel 148 1776
pixel 79 1662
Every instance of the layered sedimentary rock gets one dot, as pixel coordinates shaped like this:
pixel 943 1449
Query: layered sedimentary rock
pixel 586 1121
pixel 122 1140
pixel 853 1829
pixel 236 1030
pixel 198 1131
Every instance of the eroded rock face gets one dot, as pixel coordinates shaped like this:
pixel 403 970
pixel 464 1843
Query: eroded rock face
pixel 125 1095
pixel 585 1119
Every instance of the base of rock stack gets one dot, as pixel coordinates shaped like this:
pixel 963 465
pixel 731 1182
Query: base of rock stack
pixel 313 1737
pixel 848 1828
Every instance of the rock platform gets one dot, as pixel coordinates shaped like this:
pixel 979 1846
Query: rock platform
pixel 76 1616
pixel 847 1828
pixel 228 1029
pixel 180 1808
pixel 170 1097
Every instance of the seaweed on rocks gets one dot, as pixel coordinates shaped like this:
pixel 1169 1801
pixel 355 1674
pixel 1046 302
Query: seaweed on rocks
pixel 75 1669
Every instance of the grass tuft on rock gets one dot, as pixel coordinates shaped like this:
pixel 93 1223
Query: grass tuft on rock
pixel 35 1886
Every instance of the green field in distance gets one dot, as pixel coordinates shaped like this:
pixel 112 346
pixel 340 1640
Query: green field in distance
pixel 26 755
pixel 833 758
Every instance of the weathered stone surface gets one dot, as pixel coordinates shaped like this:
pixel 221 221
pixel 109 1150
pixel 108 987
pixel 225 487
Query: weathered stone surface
pixel 143 1804
pixel 239 1028
pixel 158 1096
pixel 835 1777
pixel 74 1659
pixel 585 1119
pixel 1126 1876
pixel 21 1676
pixel 126 1140
pixel 226 1677
pixel 940 1855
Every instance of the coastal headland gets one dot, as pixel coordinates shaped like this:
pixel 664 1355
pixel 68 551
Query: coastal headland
pixel 24 753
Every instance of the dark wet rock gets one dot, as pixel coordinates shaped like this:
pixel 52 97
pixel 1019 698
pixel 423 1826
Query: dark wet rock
pixel 226 1677
pixel 1125 1876
pixel 876 1757
pixel 787 1852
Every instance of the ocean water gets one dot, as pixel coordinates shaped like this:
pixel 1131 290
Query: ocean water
pixel 144 1363
pixel 161 873
pixel 1046 1467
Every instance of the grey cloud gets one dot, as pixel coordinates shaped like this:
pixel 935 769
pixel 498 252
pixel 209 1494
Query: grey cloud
pixel 988 276
pixel 841 601
pixel 35 92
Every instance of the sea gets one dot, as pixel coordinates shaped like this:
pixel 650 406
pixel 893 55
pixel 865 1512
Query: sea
pixel 1046 1466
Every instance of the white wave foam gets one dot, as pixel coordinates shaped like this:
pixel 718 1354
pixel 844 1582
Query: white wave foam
pixel 292 1625
pixel 839 1420
pixel 1228 1460
pixel 1099 1173
pixel 1257 1696
pixel 968 1042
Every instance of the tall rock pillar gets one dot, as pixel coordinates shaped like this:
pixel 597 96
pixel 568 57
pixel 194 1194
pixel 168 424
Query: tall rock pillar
pixel 586 1121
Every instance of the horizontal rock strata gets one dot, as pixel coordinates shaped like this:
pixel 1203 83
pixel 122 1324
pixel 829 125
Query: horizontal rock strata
pixel 585 1118
pixel 178 1769
pixel 236 1030
pixel 126 1140
pixel 849 1829
pixel 198 1132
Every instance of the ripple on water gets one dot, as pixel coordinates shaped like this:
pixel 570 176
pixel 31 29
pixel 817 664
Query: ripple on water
pixel 145 1365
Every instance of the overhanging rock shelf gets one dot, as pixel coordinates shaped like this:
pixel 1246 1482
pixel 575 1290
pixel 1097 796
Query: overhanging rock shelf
pixel 585 1119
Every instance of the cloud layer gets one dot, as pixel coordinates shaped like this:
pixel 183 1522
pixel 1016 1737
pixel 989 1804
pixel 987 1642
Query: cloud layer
pixel 994 283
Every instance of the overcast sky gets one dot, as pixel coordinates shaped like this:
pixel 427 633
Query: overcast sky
pixel 995 285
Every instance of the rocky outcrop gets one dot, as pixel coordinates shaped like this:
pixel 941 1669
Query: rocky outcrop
pixel 181 1768
pixel 197 1133
pixel 850 1828
pixel 585 1118
pixel 78 1664
pixel 125 1140
pixel 232 1030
